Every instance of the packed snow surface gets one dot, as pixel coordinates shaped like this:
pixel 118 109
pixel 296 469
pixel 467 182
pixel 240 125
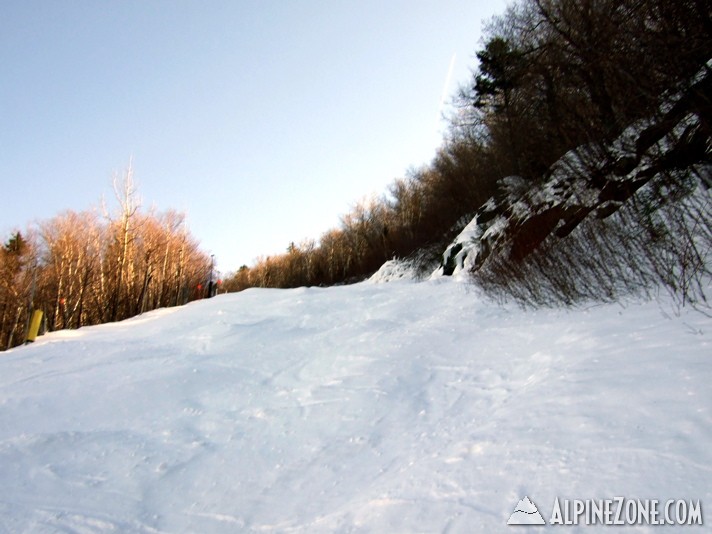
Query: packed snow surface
pixel 401 407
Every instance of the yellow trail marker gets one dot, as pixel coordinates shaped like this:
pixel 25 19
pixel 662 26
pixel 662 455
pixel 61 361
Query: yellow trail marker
pixel 34 325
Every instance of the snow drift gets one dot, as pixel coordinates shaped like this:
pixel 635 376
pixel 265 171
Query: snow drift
pixel 369 408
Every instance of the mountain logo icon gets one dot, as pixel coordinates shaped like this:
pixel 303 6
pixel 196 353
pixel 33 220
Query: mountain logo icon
pixel 526 513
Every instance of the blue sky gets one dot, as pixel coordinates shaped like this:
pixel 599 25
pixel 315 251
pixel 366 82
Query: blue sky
pixel 264 120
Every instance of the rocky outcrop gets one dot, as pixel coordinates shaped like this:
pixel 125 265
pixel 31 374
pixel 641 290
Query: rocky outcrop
pixel 669 154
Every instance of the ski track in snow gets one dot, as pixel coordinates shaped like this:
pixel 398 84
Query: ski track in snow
pixel 401 407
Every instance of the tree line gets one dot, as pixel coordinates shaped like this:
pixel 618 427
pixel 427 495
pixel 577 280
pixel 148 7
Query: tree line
pixel 86 268
pixel 552 75
pixel 418 212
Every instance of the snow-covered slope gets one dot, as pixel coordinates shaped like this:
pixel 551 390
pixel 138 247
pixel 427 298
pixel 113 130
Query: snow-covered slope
pixel 409 407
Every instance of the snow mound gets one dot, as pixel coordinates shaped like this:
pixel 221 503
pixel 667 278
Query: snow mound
pixel 365 408
pixel 394 270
